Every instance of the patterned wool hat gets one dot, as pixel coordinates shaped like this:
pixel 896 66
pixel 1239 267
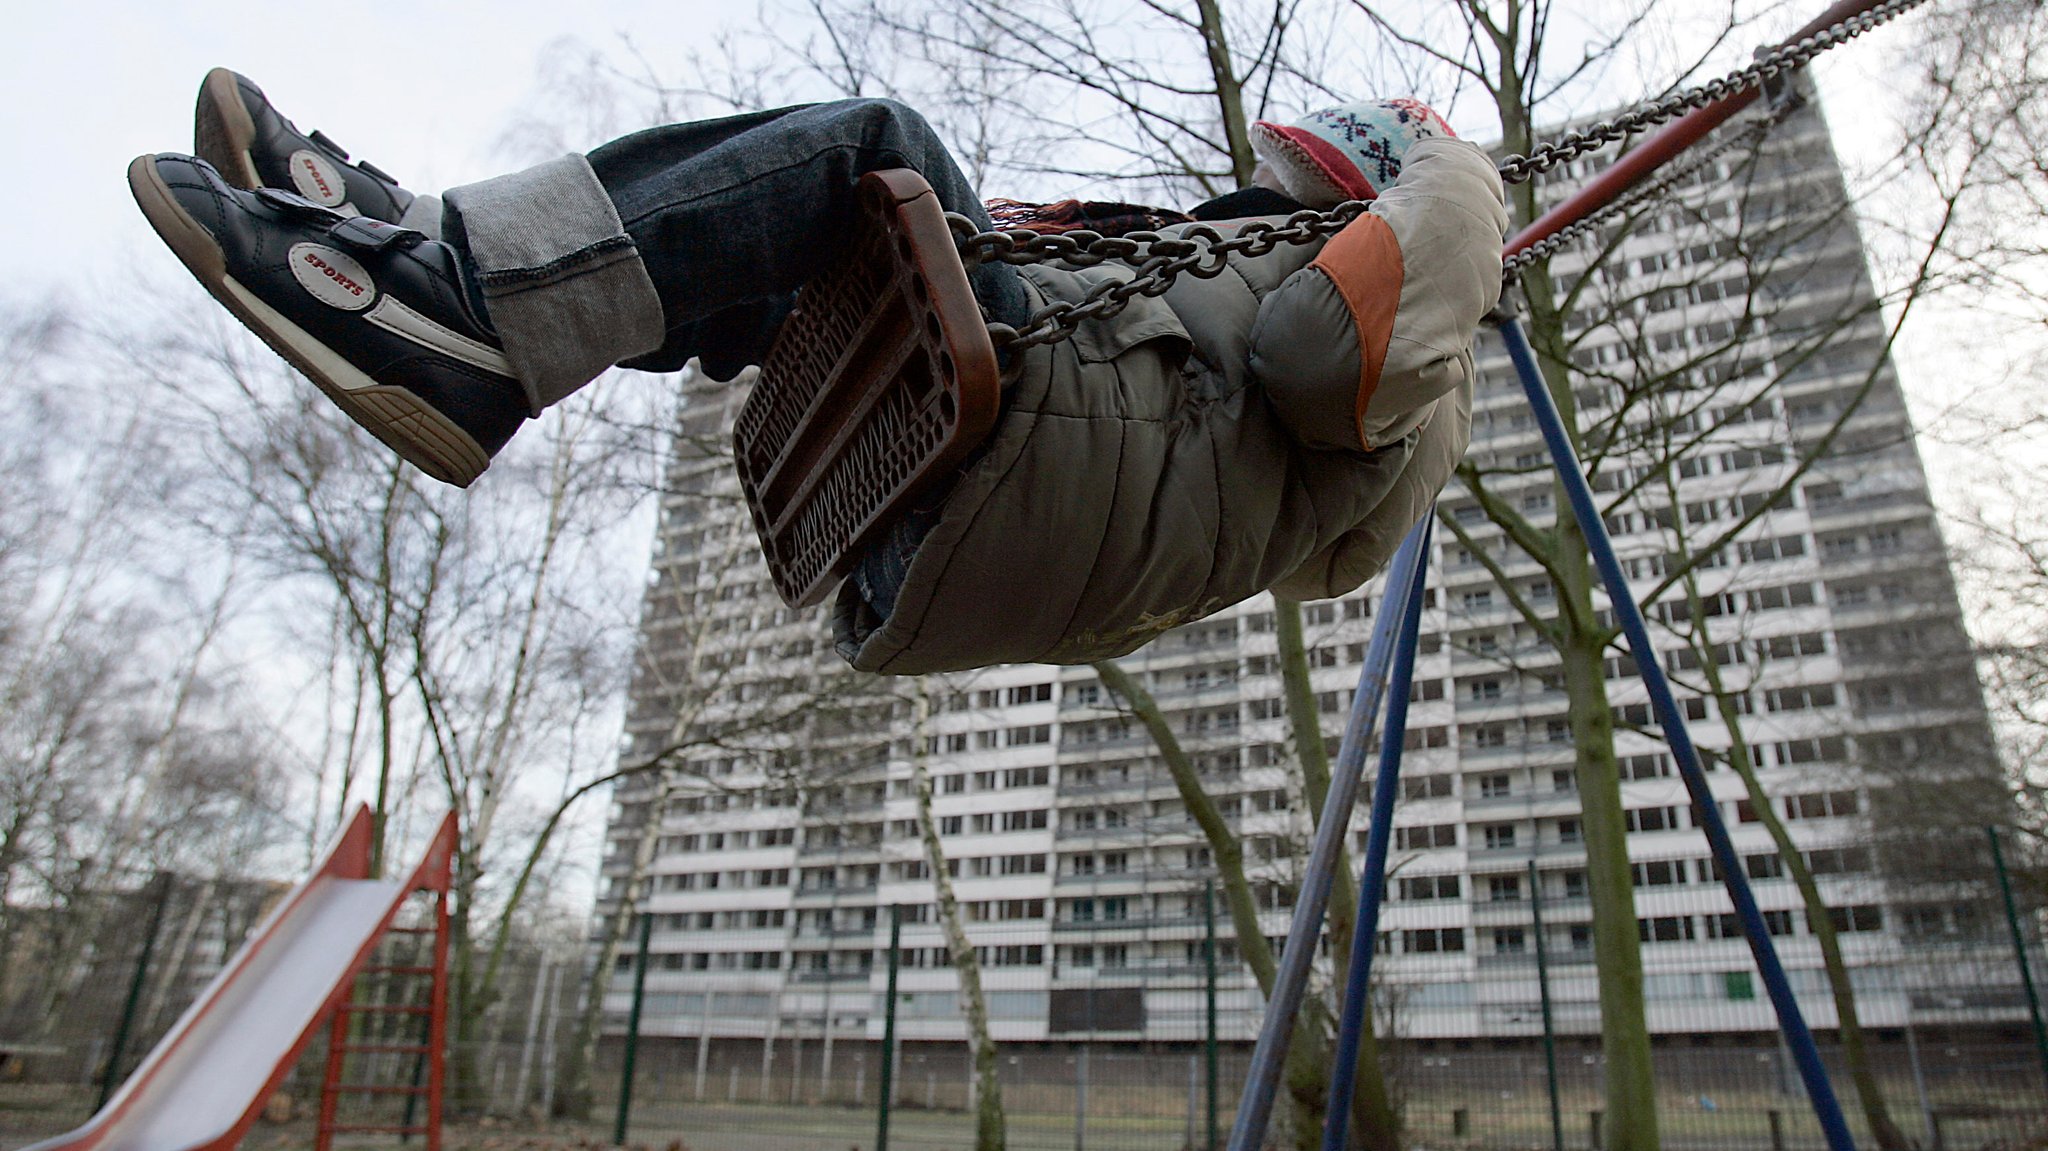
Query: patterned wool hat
pixel 1346 153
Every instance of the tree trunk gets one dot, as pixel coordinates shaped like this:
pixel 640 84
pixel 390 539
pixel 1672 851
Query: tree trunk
pixel 1631 1122
pixel 988 1086
pixel 1375 1123
pixel 1855 1056
pixel 1229 92
pixel 1306 1074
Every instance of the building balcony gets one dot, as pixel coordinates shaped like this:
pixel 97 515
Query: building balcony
pixel 842 851
pixel 1517 912
pixel 1510 705
pixel 825 814
pixel 801 976
pixel 1177 924
pixel 1158 784
pixel 1114 745
pixel 1132 836
pixel 842 891
pixel 1201 695
pixel 1518 960
pixel 1480 857
pixel 1175 878
pixel 1528 804
pixel 836 932
pixel 1507 755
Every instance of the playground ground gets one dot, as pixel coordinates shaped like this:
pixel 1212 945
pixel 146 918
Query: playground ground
pixel 29 1113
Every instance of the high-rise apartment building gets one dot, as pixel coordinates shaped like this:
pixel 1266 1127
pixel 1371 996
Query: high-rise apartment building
pixel 774 855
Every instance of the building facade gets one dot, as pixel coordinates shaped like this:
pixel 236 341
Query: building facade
pixel 1739 408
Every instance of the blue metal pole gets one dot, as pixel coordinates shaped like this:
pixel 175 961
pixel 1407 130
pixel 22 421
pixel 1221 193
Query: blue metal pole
pixel 1262 1080
pixel 1373 883
pixel 1797 1035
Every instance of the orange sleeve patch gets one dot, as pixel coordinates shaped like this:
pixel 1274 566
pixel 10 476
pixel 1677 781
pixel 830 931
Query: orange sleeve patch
pixel 1364 262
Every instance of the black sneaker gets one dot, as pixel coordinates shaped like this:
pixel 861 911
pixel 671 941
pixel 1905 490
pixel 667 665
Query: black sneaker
pixel 379 316
pixel 252 146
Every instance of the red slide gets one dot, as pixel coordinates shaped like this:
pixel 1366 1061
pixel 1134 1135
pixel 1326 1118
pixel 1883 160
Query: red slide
pixel 202 1086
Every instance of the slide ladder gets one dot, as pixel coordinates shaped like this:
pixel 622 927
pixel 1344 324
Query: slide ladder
pixel 384 1074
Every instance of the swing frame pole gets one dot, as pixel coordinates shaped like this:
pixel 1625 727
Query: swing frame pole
pixel 1372 884
pixel 1791 1021
pixel 1290 982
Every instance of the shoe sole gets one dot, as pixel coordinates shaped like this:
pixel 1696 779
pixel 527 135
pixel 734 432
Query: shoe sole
pixel 410 426
pixel 223 131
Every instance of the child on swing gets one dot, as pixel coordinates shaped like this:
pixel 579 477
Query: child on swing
pixel 1279 426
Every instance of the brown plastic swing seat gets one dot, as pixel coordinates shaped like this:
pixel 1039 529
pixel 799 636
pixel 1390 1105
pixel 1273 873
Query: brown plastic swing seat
pixel 880 382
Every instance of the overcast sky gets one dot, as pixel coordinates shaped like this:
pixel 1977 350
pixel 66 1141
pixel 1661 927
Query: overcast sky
pixel 422 89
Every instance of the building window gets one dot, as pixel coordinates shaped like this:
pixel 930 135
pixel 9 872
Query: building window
pixel 1425 787
pixel 1859 917
pixel 1421 887
pixel 1424 838
pixel 1665 928
pixel 1651 819
pixel 1430 940
pixel 1658 872
pixel 1822 805
pixel 1029 693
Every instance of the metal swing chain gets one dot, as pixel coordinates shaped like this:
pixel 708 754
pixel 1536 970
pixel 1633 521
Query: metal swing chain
pixel 1767 66
pixel 1202 251
pixel 1512 267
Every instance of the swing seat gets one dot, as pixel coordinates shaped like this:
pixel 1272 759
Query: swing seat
pixel 879 384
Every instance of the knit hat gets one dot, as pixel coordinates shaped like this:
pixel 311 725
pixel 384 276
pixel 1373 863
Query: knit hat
pixel 1347 153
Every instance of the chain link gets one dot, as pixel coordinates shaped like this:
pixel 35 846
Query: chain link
pixel 1202 252
pixel 1549 245
pixel 1766 67
pixel 1199 251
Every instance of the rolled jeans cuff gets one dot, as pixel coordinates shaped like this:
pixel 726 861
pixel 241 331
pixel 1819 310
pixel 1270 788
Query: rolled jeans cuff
pixel 562 281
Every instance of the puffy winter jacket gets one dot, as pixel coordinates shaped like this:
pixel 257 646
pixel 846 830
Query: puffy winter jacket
pixel 1281 426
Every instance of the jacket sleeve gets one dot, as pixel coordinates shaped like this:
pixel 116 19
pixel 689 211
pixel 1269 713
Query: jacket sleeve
pixel 1353 349
pixel 1444 431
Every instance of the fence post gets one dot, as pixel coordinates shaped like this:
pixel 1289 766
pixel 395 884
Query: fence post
pixel 1919 1080
pixel 1209 1010
pixel 112 1075
pixel 2019 950
pixel 632 1033
pixel 1549 1020
pixel 1081 1096
pixel 889 1032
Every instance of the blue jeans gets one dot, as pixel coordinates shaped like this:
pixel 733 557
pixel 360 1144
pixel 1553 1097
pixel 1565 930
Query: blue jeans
pixel 688 242
pixel 731 216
